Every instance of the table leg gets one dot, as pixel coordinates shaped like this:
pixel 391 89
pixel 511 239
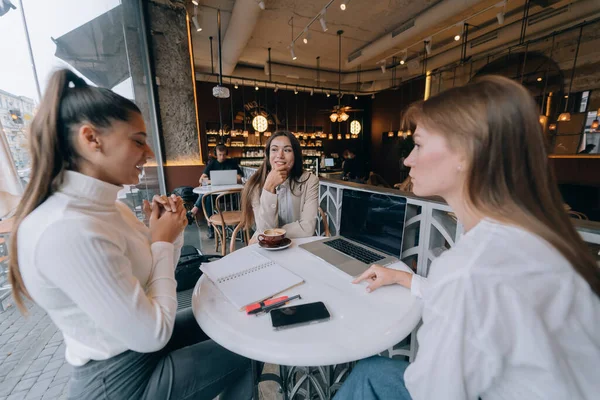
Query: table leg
pixel 255 379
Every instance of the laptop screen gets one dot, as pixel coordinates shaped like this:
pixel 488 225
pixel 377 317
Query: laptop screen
pixel 329 162
pixel 375 220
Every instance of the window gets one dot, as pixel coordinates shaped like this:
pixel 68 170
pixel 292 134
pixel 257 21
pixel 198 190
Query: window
pixel 89 38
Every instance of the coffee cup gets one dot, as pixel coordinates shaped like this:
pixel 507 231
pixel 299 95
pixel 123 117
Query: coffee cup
pixel 272 237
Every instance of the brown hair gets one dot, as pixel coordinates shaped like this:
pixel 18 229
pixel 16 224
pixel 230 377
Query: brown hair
pixel 67 102
pixel 494 120
pixel 257 181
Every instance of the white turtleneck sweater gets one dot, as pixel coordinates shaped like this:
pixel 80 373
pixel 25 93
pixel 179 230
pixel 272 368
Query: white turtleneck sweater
pixel 89 262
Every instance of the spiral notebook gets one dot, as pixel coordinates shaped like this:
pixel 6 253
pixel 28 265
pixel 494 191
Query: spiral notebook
pixel 248 277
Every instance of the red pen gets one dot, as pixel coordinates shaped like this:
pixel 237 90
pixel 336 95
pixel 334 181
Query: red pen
pixel 256 307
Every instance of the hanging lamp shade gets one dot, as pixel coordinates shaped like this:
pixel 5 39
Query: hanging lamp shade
pixel 333 117
pixel 552 127
pixel 390 134
pixel 339 136
pixel 343 116
pixel 331 136
pixel 543 120
pixel 355 127
pixel 596 123
pixel 347 136
pixel 564 117
pixel 260 123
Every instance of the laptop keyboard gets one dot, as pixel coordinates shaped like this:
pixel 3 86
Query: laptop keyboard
pixel 354 251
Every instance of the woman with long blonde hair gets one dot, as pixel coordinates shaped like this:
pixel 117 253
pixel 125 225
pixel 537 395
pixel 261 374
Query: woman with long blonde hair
pixel 104 278
pixel 512 311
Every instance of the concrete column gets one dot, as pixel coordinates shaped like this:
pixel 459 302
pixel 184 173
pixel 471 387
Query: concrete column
pixel 170 53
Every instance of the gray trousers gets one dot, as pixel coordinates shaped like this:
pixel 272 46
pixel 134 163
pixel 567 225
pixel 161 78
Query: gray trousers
pixel 191 366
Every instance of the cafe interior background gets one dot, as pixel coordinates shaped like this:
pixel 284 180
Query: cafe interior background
pixel 339 74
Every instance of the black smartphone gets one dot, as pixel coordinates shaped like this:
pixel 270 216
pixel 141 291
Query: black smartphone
pixel 303 314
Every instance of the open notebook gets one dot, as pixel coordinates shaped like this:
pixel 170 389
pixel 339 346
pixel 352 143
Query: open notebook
pixel 248 277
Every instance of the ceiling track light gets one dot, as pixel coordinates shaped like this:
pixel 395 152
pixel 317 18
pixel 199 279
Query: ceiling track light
pixel 500 15
pixel 428 46
pixel 296 91
pixel 344 4
pixel 322 20
pixel 276 89
pixel 461 27
pixel 383 68
pixel 195 19
pixel 196 24
pixel 292 52
pixel 195 2
pixel 355 97
pixel 261 4
pixel 307 35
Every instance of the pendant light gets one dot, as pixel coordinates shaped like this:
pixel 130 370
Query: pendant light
pixel 596 123
pixel 566 116
pixel 543 117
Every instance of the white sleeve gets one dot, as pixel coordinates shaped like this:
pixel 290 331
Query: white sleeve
pixel 97 276
pixel 449 365
pixel 177 245
pixel 418 285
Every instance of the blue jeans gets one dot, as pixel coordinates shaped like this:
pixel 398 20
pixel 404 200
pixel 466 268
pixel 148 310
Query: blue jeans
pixel 375 378
pixel 208 203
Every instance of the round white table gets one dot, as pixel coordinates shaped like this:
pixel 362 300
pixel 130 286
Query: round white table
pixel 210 189
pixel 362 324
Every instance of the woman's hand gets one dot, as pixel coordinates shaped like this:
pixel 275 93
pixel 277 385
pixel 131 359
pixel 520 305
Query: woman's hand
pixel 171 203
pixel 275 178
pixel 166 226
pixel 380 276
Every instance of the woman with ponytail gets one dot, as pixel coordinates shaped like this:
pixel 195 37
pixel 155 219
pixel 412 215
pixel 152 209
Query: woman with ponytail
pixel 104 278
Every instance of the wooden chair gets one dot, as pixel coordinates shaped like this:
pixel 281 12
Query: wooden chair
pixel 221 220
pixel 245 232
pixel 577 215
pixel 325 222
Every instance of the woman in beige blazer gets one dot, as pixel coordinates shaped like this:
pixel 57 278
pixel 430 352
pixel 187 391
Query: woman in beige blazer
pixel 281 194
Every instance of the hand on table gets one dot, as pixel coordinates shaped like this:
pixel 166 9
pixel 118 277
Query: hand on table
pixel 378 276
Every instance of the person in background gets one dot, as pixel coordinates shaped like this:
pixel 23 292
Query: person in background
pixel 512 311
pixel 350 166
pixel 219 163
pixel 104 278
pixel 281 194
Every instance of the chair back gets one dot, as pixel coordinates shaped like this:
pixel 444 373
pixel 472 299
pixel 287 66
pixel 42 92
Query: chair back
pixel 325 222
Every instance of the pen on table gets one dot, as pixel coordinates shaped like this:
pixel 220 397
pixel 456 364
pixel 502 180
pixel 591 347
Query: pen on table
pixel 256 307
pixel 274 305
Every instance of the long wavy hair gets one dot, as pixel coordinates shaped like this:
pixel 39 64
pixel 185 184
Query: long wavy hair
pixel 494 120
pixel 67 102
pixel 257 181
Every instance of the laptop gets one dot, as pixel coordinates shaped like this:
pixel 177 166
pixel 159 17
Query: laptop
pixel 371 232
pixel 226 177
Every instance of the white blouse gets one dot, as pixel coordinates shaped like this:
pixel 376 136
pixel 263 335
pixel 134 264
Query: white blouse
pixel 505 317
